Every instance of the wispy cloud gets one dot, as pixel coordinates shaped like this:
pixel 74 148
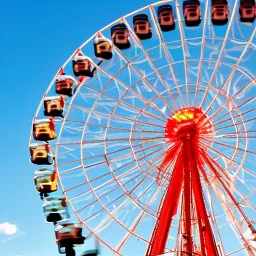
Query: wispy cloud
pixel 7 228
pixel 13 236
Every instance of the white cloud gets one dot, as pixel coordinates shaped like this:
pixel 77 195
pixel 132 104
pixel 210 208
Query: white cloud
pixel 7 228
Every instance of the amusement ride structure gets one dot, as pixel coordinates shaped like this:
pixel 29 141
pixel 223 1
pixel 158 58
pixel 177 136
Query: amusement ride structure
pixel 148 134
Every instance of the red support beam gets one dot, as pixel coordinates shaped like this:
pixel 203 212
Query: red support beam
pixel 207 241
pixel 187 192
pixel 168 210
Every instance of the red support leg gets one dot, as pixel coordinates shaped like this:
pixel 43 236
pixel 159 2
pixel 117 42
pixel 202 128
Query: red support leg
pixel 187 198
pixel 207 241
pixel 168 210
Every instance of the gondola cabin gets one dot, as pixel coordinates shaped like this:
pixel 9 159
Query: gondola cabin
pixel 46 180
pixel 102 48
pixel 165 18
pixel 82 66
pixel 192 12
pixel 142 26
pixel 247 10
pixel 55 209
pixel 64 85
pixel 44 129
pixel 40 154
pixel 90 253
pixel 68 235
pixel 120 36
pixel 219 12
pixel 53 106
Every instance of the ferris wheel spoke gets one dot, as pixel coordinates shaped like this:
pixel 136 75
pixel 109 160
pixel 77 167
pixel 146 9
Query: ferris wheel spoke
pixel 220 119
pixel 232 117
pixel 139 165
pixel 147 189
pixel 184 46
pixel 133 226
pixel 228 211
pixel 70 169
pixel 149 139
pixel 131 106
pixel 73 198
pixel 111 215
pixel 232 71
pixel 133 153
pixel 124 190
pixel 163 176
pixel 103 210
pixel 235 135
pixel 131 90
pixel 103 224
pixel 153 160
pixel 65 145
pixel 234 151
pixel 163 43
pixel 230 184
pixel 201 52
pixel 125 118
pixel 140 158
pixel 111 218
pixel 105 184
pixel 145 80
pixel 239 116
pixel 141 181
pixel 168 163
pixel 136 152
pixel 108 154
pixel 108 192
pixel 227 160
pixel 230 106
pixel 247 101
pixel 123 129
pixel 233 96
pixel 118 177
pixel 154 68
pixel 206 146
pixel 217 170
pixel 136 223
pixel 225 176
pixel 238 123
pixel 220 53
pixel 113 160
pixel 116 140
pixel 121 101
pixel 213 219
pixel 233 222
pixel 130 191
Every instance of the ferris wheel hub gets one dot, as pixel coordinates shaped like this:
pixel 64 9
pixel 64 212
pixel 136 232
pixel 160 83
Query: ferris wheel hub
pixel 188 123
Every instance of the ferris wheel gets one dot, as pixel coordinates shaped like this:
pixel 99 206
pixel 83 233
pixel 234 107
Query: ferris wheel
pixel 148 134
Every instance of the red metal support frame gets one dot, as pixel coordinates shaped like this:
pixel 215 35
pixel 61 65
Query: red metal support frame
pixel 184 131
pixel 168 210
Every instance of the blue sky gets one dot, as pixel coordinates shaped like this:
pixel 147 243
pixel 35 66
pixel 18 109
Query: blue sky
pixel 34 44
